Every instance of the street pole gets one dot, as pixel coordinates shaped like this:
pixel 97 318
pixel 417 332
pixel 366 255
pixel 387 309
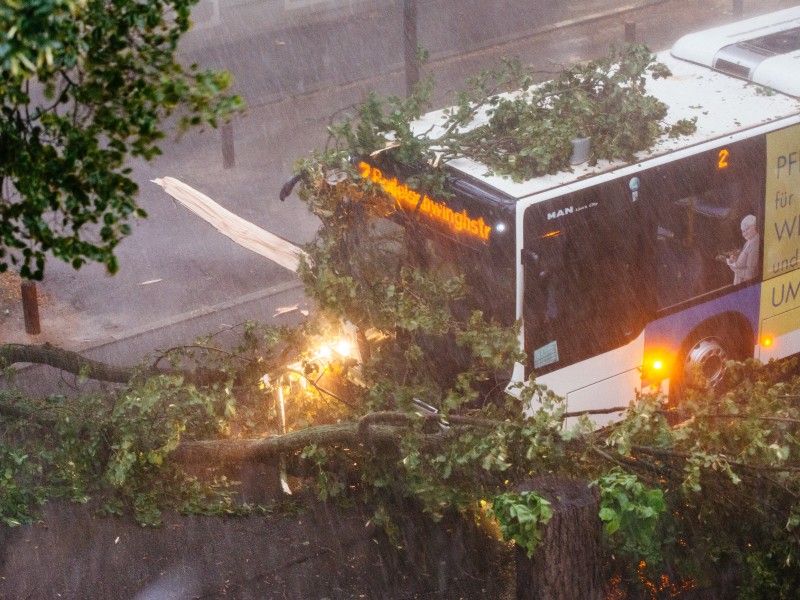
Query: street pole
pixel 410 44
pixel 228 156
pixel 30 308
pixel 630 32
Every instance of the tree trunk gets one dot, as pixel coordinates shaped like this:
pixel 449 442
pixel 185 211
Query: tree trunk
pixel 72 362
pixel 268 448
pixel 570 563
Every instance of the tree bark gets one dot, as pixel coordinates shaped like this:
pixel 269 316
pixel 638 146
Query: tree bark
pixel 72 362
pixel 570 563
pixel 268 448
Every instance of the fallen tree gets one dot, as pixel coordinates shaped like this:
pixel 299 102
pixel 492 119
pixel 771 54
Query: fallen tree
pixel 77 364
pixel 668 494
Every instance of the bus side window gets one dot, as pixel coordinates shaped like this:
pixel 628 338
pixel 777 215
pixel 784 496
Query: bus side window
pixel 698 230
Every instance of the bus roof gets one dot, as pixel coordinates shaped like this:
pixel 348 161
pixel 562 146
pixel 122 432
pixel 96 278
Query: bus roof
pixel 723 105
pixel 764 50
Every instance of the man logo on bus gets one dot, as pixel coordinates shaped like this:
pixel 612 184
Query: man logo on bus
pixel 560 212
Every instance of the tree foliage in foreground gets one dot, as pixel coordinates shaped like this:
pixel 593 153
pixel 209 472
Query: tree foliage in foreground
pixel 85 85
pixel 718 489
pixel 682 491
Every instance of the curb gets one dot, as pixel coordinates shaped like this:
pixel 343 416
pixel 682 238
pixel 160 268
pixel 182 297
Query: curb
pixel 196 313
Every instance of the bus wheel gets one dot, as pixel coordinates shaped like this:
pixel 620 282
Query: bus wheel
pixel 707 358
pixel 708 351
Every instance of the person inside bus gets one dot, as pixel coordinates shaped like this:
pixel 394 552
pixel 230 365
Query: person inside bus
pixel 744 263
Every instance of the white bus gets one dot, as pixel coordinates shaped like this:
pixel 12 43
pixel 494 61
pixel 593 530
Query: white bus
pixel 623 273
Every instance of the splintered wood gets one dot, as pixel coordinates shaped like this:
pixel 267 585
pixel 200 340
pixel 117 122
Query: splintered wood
pixel 241 231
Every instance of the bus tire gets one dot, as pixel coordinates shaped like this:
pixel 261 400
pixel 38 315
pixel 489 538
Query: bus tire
pixel 707 351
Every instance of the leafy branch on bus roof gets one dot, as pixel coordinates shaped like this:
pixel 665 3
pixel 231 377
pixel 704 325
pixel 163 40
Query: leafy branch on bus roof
pixel 517 128
pixel 531 133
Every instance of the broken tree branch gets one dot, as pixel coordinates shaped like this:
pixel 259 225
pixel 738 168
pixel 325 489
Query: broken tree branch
pixel 72 362
pixel 269 448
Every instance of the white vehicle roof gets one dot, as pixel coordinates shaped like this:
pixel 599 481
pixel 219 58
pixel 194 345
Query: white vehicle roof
pixel 723 105
pixel 764 50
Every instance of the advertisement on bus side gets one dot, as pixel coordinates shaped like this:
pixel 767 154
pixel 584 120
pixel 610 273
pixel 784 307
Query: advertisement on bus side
pixel 780 293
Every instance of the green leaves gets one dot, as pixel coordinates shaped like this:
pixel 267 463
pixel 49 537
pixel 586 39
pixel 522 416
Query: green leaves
pixel 328 482
pixel 117 448
pixel 521 518
pixel 525 133
pixel 531 134
pixel 630 513
pixel 20 485
pixel 32 32
pixel 85 85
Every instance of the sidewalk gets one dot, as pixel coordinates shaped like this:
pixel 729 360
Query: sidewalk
pixel 359 46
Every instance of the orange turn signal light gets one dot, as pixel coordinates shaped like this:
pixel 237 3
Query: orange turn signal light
pixel 655 368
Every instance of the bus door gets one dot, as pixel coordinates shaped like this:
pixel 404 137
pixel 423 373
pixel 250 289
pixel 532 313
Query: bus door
pixel 588 274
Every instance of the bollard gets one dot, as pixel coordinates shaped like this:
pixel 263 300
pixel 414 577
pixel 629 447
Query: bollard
pixel 630 32
pixel 410 44
pixel 30 307
pixel 738 8
pixel 228 157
